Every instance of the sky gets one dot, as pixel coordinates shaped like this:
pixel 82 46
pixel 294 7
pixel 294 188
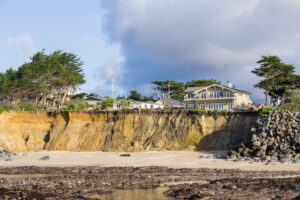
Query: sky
pixel 134 42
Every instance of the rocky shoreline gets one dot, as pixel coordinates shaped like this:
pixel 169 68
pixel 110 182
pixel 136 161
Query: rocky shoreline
pixel 276 137
pixel 84 182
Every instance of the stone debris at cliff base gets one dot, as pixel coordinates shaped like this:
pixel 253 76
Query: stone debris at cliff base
pixel 45 158
pixel 6 155
pixel 275 138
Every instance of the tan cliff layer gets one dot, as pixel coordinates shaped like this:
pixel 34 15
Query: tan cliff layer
pixel 123 131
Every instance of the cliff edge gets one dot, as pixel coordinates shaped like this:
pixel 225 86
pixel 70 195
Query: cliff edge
pixel 123 130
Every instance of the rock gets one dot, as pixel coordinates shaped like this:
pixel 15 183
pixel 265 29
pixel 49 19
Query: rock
pixel 6 155
pixel 45 158
pixel 125 155
pixel 275 137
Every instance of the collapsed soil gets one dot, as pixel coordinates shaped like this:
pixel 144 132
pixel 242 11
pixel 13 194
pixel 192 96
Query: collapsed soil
pixel 82 182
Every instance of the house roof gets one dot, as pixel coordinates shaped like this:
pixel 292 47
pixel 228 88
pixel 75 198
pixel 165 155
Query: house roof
pixel 153 103
pixel 95 98
pixel 193 89
pixel 197 89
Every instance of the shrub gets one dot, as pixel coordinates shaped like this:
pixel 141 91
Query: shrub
pixel 26 106
pixel 265 110
pixel 292 96
pixel 3 109
pixel 293 107
pixel 291 101
pixel 108 102
pixel 75 105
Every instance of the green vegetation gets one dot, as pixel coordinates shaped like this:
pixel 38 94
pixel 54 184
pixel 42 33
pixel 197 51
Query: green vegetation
pixel 45 78
pixel 201 83
pixel 136 96
pixel 293 107
pixel 291 101
pixel 209 112
pixel 75 105
pixel 278 78
pixel 108 102
pixel 169 89
pixel 265 110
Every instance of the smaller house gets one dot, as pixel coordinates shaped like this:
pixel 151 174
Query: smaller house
pixel 170 103
pixel 147 105
pixel 93 100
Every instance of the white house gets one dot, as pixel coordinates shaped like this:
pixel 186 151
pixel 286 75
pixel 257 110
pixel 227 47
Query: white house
pixel 147 105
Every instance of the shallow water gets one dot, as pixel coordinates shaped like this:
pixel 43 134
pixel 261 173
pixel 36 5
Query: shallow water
pixel 148 194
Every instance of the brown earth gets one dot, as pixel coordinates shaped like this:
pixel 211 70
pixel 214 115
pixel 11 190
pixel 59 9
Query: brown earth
pixel 123 131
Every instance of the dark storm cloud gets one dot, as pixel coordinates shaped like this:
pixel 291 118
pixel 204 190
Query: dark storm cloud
pixel 182 40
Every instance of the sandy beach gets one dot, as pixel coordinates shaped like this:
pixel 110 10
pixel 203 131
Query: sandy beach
pixel 172 159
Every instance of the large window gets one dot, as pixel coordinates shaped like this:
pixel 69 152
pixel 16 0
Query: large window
pixel 215 106
pixel 203 95
pixel 229 106
pixel 190 95
pixel 202 106
pixel 190 106
pixel 229 94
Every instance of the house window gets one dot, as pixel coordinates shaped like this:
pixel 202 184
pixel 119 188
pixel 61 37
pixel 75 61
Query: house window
pixel 190 95
pixel 203 95
pixel 189 106
pixel 152 106
pixel 230 106
pixel 98 102
pixel 229 94
pixel 202 106
pixel 216 106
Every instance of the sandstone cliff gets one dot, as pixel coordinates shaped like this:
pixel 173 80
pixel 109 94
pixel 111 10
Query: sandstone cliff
pixel 123 131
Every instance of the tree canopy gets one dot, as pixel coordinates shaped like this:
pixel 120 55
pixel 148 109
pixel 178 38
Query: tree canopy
pixel 201 83
pixel 169 89
pixel 45 76
pixel 135 95
pixel 278 77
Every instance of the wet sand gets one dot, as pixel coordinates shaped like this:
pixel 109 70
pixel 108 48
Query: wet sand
pixel 172 159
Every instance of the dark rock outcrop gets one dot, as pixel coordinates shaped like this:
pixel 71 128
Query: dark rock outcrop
pixel 275 137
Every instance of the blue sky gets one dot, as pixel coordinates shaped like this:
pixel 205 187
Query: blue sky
pixel 138 41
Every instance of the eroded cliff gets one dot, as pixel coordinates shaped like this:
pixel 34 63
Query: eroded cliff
pixel 123 131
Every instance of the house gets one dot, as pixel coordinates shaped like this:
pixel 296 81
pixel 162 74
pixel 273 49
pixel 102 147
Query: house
pixel 170 103
pixel 147 105
pixel 217 97
pixel 93 100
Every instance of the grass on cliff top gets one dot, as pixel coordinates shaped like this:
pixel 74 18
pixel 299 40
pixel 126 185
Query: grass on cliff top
pixel 209 112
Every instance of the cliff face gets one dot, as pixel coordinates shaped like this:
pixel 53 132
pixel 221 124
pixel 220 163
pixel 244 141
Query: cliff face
pixel 123 131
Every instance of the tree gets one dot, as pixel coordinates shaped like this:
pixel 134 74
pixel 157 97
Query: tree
pixel 108 102
pixel 278 77
pixel 201 83
pixel 135 95
pixel 49 76
pixel 169 89
pixel 124 103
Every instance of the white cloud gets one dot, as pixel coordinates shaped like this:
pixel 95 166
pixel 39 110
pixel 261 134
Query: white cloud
pixel 237 32
pixel 23 44
pixel 110 66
